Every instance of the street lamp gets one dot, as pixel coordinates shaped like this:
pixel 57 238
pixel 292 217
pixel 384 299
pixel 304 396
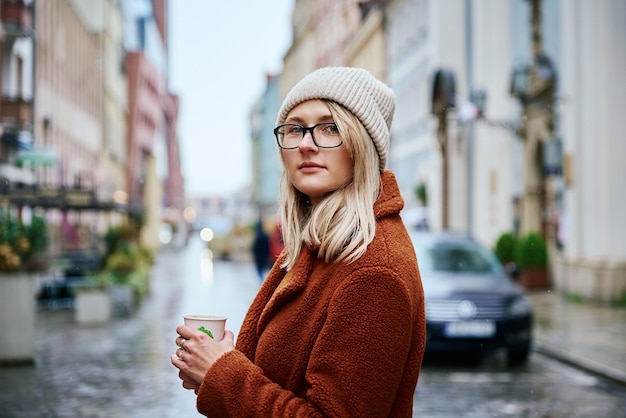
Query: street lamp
pixel 443 100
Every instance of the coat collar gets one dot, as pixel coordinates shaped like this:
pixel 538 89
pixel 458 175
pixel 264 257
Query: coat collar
pixel 390 201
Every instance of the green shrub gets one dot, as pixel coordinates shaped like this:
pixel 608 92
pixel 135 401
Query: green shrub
pixel 422 194
pixel 119 238
pixel 574 297
pixel 506 247
pixel 121 264
pixel 129 264
pixel 532 251
pixel 620 302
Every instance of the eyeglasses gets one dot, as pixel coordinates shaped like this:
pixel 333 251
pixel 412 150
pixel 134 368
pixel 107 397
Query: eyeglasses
pixel 324 135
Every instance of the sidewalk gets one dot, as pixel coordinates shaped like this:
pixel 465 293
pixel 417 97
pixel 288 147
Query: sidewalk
pixel 586 335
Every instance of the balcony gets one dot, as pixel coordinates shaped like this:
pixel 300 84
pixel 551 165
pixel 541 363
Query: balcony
pixel 48 197
pixel 17 18
pixel 14 174
pixel 15 112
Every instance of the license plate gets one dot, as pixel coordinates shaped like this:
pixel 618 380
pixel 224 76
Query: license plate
pixel 481 329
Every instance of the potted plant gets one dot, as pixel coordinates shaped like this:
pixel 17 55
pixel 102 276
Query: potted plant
pixel 124 278
pixel 93 303
pixel 22 255
pixel 127 267
pixel 532 259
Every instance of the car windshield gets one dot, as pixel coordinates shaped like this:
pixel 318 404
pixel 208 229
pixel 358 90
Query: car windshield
pixel 466 257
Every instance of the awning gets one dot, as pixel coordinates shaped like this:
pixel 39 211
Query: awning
pixel 36 157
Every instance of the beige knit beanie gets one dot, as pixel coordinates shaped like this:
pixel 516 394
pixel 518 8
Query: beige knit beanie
pixel 369 99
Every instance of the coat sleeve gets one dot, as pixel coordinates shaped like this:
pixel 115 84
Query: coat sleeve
pixel 355 368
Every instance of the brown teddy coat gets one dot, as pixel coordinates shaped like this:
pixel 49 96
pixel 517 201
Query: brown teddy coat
pixel 330 340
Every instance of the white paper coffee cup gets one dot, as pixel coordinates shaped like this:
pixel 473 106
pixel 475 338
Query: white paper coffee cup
pixel 212 325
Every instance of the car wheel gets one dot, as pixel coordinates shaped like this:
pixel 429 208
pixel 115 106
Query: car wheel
pixel 518 355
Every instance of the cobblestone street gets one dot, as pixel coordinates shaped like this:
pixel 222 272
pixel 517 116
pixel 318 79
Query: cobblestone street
pixel 122 369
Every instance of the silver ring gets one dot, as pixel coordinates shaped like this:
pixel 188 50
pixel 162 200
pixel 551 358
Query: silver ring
pixel 182 343
pixel 180 354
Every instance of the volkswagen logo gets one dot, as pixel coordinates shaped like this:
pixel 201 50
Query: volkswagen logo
pixel 466 309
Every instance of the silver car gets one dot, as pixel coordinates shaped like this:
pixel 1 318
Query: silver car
pixel 472 304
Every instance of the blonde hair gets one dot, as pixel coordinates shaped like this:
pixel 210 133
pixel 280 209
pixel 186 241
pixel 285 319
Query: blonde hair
pixel 342 224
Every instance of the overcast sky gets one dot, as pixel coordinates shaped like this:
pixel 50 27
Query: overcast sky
pixel 219 53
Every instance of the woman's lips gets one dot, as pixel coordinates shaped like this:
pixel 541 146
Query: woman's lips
pixel 310 167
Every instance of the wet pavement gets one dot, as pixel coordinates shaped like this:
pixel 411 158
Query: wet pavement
pixel 122 368
pixel 589 336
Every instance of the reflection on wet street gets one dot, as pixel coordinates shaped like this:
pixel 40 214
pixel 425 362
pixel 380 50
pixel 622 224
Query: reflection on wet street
pixel 122 369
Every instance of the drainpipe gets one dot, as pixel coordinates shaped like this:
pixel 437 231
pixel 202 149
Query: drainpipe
pixel 469 134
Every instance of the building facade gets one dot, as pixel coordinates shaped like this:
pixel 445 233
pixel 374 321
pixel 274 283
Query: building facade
pixel 266 164
pixel 592 93
pixel 89 127
pixel 503 146
pixel 69 111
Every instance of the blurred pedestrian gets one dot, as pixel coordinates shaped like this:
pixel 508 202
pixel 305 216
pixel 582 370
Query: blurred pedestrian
pixel 276 242
pixel 261 249
pixel 338 326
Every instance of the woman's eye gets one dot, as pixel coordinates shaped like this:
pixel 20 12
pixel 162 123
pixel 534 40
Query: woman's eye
pixel 294 129
pixel 331 129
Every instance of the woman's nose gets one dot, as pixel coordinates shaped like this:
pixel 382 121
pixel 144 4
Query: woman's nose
pixel 307 141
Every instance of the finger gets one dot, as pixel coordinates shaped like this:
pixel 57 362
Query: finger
pixel 184 331
pixel 185 377
pixel 181 342
pixel 190 385
pixel 229 334
pixel 188 382
pixel 176 361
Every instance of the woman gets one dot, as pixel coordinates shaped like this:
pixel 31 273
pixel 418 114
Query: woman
pixel 338 326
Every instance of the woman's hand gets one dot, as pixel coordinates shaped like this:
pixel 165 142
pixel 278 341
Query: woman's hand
pixel 196 354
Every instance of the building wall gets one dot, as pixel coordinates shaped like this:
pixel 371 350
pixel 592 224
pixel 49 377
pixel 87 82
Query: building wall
pixel 367 48
pixel 266 154
pixel 116 102
pixel 103 18
pixel 475 44
pixel 145 126
pixel 414 154
pixel 482 43
pixel 68 113
pixel 495 145
pixel 17 60
pixel 335 23
pixel 154 176
pixel 593 37
pixel 69 93
pixel 301 57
